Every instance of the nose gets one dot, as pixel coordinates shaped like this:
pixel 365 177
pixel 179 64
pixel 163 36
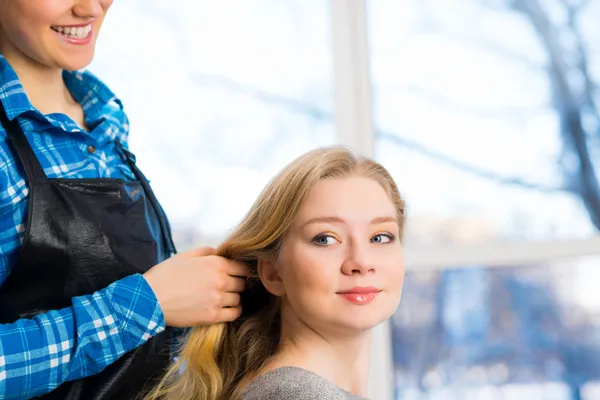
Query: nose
pixel 358 260
pixel 89 8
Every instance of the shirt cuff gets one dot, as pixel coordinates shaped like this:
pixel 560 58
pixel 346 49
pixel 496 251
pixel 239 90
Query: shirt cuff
pixel 137 310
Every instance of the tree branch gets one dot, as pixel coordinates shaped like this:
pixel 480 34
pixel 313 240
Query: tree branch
pixel 435 98
pixel 489 46
pixel 294 105
pixel 590 87
pixel 320 115
pixel 581 178
pixel 466 167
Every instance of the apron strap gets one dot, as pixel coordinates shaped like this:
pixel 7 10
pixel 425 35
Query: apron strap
pixel 16 136
pixel 162 217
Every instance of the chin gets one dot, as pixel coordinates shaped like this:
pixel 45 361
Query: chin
pixel 362 321
pixel 370 315
pixel 74 60
pixel 76 63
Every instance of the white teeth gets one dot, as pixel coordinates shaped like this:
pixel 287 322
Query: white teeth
pixel 76 32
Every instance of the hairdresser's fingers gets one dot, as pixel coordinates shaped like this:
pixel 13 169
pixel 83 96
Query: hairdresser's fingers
pixel 197 252
pixel 234 284
pixel 235 268
pixel 231 300
pixel 229 314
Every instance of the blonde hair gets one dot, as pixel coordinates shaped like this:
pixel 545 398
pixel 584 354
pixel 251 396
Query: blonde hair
pixel 218 361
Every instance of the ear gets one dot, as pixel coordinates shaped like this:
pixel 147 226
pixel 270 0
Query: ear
pixel 269 277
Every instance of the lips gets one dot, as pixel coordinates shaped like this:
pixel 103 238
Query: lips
pixel 360 295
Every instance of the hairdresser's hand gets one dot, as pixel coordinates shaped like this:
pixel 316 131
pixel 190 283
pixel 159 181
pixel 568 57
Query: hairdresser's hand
pixel 198 288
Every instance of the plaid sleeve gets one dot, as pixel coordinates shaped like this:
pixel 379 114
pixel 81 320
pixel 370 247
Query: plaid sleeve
pixel 37 355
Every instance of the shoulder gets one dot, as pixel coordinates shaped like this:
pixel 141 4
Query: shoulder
pixel 291 383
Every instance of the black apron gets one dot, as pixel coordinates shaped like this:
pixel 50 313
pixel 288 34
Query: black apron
pixel 81 236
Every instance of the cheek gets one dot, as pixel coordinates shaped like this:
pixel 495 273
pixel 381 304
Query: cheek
pixel 32 29
pixel 308 270
pixel 30 37
pixel 392 269
pixel 105 4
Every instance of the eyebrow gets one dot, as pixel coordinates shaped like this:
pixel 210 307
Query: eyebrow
pixel 339 220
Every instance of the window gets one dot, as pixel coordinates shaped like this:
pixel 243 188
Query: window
pixel 487 116
pixel 220 96
pixel 487 142
pixel 486 113
pixel 519 331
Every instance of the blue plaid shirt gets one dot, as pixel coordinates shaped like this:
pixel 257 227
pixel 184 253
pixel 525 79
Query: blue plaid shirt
pixel 37 355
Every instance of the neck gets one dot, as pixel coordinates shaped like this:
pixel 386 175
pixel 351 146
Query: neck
pixel 341 358
pixel 43 85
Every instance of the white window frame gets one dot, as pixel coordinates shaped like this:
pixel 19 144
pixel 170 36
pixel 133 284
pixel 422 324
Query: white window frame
pixel 501 254
pixel 354 127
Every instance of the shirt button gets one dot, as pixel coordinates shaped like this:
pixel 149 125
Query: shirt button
pixel 91 149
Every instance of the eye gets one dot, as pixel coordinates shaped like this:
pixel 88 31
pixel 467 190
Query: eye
pixel 324 240
pixel 382 238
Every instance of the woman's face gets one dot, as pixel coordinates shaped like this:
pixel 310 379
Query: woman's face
pixel 53 33
pixel 341 267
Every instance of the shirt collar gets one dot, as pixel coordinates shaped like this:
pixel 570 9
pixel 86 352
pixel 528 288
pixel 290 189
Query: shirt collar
pixel 12 95
pixel 86 89
pixel 90 92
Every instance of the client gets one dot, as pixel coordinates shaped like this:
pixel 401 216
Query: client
pixel 323 242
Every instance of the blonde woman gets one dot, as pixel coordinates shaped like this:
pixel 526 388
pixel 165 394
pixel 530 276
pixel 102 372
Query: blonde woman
pixel 323 243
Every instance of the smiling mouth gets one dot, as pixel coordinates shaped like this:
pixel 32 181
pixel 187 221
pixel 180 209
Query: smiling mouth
pixel 73 32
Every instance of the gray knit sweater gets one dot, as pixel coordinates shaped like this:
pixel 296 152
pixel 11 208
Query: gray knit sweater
pixel 292 383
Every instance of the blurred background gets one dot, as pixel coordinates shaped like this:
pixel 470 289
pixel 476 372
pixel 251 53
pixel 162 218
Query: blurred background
pixel 486 112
